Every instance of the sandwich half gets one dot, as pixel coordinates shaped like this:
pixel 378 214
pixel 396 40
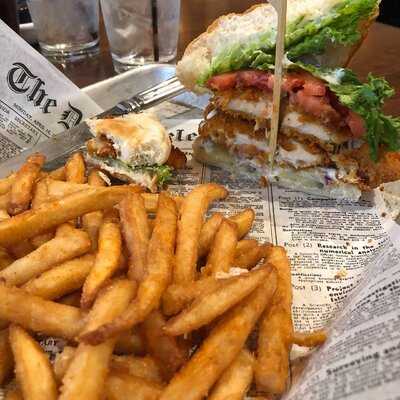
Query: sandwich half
pixel 334 139
pixel 134 148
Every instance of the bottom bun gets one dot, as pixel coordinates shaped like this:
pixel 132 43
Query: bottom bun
pixel 311 180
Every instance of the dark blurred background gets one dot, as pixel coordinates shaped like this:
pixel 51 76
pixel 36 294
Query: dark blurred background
pixel 390 12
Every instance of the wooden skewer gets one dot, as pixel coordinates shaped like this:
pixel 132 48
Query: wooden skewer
pixel 280 7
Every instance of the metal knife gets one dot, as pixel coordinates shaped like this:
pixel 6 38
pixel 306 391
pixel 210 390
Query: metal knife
pixel 58 147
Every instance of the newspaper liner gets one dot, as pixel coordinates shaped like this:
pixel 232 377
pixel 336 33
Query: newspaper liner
pixel 345 262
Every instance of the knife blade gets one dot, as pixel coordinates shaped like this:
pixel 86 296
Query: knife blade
pixel 60 146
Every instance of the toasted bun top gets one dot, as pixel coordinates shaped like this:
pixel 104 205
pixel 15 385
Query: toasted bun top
pixel 139 139
pixel 255 26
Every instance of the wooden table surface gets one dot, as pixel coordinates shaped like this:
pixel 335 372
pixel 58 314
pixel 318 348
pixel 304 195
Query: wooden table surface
pixel 379 54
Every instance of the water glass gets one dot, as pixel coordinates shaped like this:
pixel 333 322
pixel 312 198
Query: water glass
pixel 65 27
pixel 141 31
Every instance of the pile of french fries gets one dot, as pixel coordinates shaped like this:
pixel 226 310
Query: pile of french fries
pixel 154 300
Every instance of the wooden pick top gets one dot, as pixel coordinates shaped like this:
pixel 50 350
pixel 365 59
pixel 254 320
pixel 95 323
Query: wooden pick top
pixel 280 7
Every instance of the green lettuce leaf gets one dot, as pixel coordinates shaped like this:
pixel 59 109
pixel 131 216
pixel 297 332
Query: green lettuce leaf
pixel 304 37
pixel 162 172
pixel 366 99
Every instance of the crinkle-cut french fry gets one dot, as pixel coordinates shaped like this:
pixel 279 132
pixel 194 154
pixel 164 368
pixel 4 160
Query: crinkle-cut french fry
pixel 21 191
pixel 32 367
pixel 75 169
pixel 6 183
pixel 165 349
pixel 222 252
pixel 52 214
pixel 142 367
pixel 207 308
pixel 87 372
pixel 58 174
pixel 176 297
pixel 6 357
pixel 207 233
pixel 130 343
pixel 13 394
pixel 136 232
pixel 21 249
pixel 91 222
pixel 236 379
pixel 192 211
pixel 244 221
pixel 310 339
pixel 159 262
pixel 39 315
pixel 252 257
pixel 61 279
pixel 53 252
pixel 276 330
pixel 120 386
pixel 221 347
pixel 106 263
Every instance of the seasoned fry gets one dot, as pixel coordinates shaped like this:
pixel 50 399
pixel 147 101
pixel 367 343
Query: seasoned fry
pixel 208 232
pixel 75 169
pixel 59 189
pixel 88 369
pixel 4 215
pixel 244 221
pixel 13 394
pixel 206 308
pixel 192 211
pixel 21 249
pixel 6 183
pixel 6 357
pixel 5 259
pixel 249 259
pixel 4 200
pixel 165 349
pixel 107 262
pixel 49 215
pixel 62 279
pixel 236 379
pixel 221 347
pixel 142 367
pixel 222 253
pixel 276 330
pixel 21 191
pixel 130 343
pixel 73 299
pixel 40 194
pixel 38 315
pixel 32 363
pixel 135 229
pixel 176 297
pixel 120 386
pixel 159 266
pixel 58 174
pixel 310 339
pixel 53 252
pixel 244 246
pixel 91 222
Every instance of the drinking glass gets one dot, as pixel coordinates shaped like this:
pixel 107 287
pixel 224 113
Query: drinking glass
pixel 141 31
pixel 65 27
